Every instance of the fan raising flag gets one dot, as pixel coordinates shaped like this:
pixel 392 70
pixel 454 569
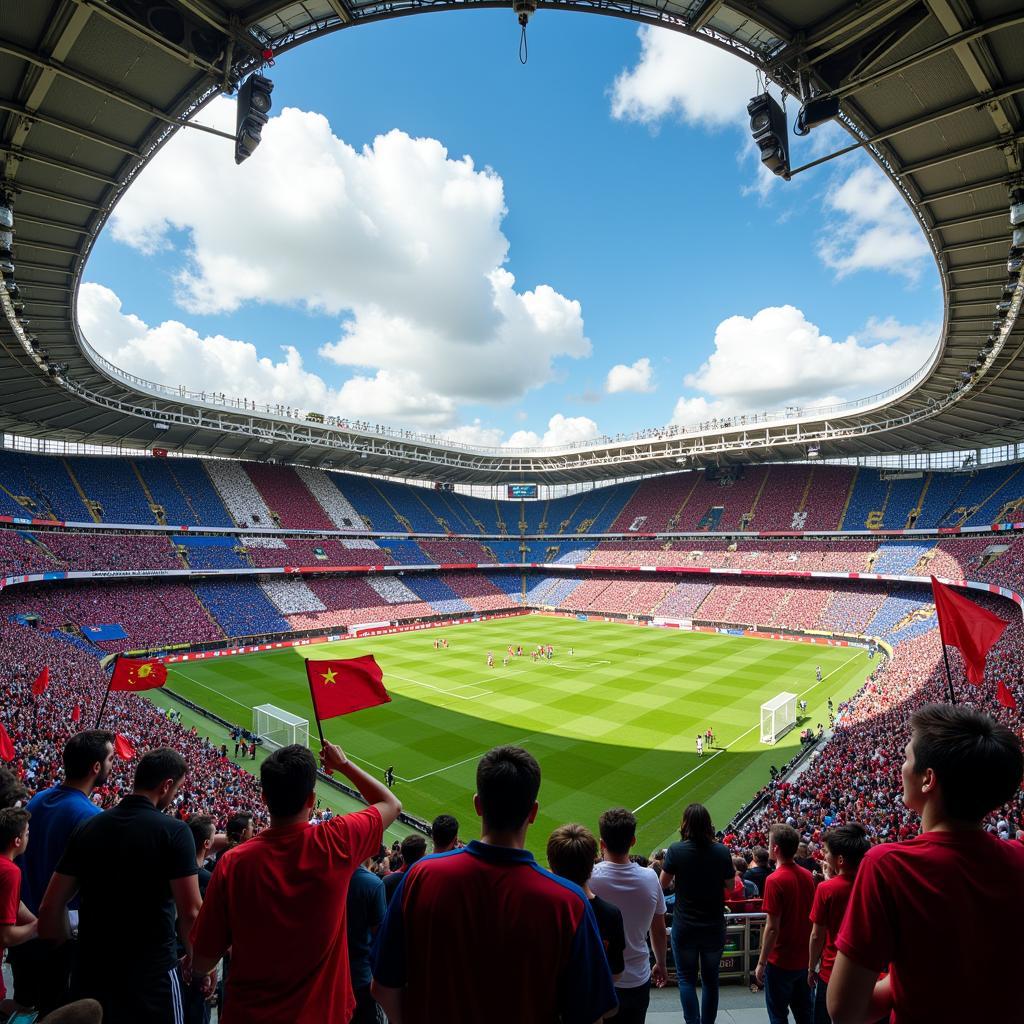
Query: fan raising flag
pixel 41 682
pixel 134 674
pixel 968 627
pixel 346 685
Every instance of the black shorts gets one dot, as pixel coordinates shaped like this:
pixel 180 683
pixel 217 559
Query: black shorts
pixel 41 974
pixel 153 999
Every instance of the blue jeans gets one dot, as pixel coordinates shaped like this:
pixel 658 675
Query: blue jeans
pixel 819 1012
pixel 785 991
pixel 687 954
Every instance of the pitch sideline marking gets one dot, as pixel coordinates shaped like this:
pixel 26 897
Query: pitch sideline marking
pixel 248 707
pixel 474 757
pixel 722 750
pixel 438 689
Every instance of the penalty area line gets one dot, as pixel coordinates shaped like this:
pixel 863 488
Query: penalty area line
pixel 247 707
pixel 722 750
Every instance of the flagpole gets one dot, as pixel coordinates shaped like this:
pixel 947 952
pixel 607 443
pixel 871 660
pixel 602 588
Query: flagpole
pixel 949 677
pixel 107 694
pixel 316 711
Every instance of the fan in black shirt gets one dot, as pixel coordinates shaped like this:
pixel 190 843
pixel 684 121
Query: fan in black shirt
pixel 135 870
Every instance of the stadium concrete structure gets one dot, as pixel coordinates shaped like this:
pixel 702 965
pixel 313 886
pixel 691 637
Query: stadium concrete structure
pixel 300 526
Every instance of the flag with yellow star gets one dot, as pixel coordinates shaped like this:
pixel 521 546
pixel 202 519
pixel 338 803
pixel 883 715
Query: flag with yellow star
pixel 138 674
pixel 343 685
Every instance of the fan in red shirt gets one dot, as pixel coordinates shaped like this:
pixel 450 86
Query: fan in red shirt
pixel 845 846
pixel 782 965
pixel 934 908
pixel 278 900
pixel 17 923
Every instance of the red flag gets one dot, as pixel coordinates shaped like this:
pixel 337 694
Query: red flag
pixel 966 626
pixel 6 746
pixel 346 685
pixel 1004 696
pixel 123 747
pixel 76 714
pixel 135 674
pixel 41 682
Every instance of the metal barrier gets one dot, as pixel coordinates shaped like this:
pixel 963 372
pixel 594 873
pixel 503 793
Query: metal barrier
pixel 742 947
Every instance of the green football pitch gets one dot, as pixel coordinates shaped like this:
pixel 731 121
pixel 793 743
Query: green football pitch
pixel 613 724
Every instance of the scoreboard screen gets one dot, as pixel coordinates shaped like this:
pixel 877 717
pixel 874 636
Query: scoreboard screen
pixel 522 490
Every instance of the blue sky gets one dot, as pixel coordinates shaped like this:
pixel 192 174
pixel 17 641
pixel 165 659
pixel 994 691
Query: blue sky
pixel 638 224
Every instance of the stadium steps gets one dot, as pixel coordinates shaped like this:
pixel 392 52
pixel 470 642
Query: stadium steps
pixel 807 491
pixel 457 501
pixel 430 512
pixel 983 503
pixel 502 526
pixel 567 521
pixel 90 505
pixel 154 506
pixel 394 511
pixel 915 512
pixel 677 515
pixel 849 498
pixel 757 497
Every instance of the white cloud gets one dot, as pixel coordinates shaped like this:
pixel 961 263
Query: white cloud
pixel 172 353
pixel 400 238
pixel 778 358
pixel 636 377
pixel 872 228
pixel 683 77
pixel 561 430
pixel 476 433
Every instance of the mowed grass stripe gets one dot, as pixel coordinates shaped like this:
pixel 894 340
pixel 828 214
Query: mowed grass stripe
pixel 605 734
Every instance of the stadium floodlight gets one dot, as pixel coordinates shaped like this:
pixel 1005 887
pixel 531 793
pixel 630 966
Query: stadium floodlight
pixel 815 112
pixel 1017 213
pixel 253 106
pixel 768 126
pixel 813 451
pixel 1002 308
pixel 161 425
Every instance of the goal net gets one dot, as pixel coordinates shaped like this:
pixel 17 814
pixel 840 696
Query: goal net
pixel 778 716
pixel 278 728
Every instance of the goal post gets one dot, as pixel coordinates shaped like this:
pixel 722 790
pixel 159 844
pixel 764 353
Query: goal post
pixel 278 728
pixel 778 716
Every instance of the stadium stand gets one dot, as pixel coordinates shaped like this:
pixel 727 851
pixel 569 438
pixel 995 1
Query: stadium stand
pixel 111 489
pixel 361 493
pixel 239 494
pixel 340 510
pixel 291 505
pixel 130 551
pixel 291 595
pixel 214 553
pixel 240 608
pixel 183 498
pixel 43 481
pixel 21 552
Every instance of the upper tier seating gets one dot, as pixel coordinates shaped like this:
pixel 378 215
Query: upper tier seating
pixel 340 510
pixel 287 496
pixel 182 488
pixel 239 494
pixel 115 486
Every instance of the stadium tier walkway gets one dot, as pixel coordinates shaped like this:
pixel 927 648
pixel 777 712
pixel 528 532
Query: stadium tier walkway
pixel 736 1005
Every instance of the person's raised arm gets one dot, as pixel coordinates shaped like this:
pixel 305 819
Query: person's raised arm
pixel 54 925
pixel 375 793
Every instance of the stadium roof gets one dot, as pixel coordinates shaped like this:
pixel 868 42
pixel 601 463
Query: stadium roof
pixel 933 90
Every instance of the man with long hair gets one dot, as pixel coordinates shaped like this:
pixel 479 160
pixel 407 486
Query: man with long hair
pixel 703 872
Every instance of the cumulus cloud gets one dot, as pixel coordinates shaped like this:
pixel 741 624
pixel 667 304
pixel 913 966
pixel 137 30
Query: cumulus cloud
pixel 679 76
pixel 871 227
pixel 399 239
pixel 172 353
pixel 561 430
pixel 636 377
pixel 778 358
